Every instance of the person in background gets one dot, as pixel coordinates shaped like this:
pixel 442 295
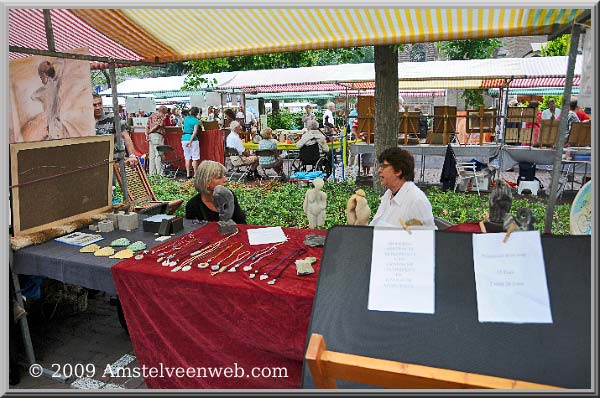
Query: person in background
pixel 210 114
pixel 551 112
pixel 313 136
pixel 269 143
pixel 403 201
pixel 249 118
pixel 583 117
pixel 189 141
pixel 235 142
pixel 201 207
pixel 400 104
pixel 307 116
pixel 105 126
pixel 352 116
pixel 328 119
pixel 217 116
pixel 229 117
pixel 177 117
pixel 155 130
pixel 169 118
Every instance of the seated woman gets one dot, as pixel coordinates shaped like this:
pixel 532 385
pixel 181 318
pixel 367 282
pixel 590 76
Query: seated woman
pixel 403 200
pixel 201 207
pixel 313 136
pixel 274 161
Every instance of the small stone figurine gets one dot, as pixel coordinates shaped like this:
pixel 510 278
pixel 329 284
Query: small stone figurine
pixel 223 200
pixel 500 204
pixel 357 209
pixel 315 202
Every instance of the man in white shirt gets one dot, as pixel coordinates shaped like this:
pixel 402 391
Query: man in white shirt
pixel 403 201
pixel 328 119
pixel 551 112
pixel 249 118
pixel 235 142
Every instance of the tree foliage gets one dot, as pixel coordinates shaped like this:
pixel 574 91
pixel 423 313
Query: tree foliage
pixel 556 47
pixel 274 61
pixel 469 49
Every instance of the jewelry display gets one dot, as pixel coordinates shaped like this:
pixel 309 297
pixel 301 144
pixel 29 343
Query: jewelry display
pixel 104 252
pixel 212 246
pixel 223 268
pixel 266 274
pixel 218 265
pixel 120 242
pixel 258 256
pixel 90 248
pixel 294 254
pixel 125 253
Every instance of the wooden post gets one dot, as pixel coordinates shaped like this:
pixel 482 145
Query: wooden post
pixel 481 115
pixel 316 348
pixel 119 146
pixel 49 31
pixel 562 128
pixel 446 135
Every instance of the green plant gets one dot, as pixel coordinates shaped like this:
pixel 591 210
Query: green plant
pixel 280 204
pixel 556 47
pixel 557 100
pixel 473 98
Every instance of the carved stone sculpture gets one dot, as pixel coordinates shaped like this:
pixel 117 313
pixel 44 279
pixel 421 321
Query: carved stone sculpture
pixel 357 209
pixel 500 204
pixel 223 200
pixel 315 202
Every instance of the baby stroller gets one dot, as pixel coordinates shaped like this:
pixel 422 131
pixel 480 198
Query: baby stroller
pixel 310 159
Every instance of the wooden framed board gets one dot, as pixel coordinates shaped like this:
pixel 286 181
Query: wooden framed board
pixel 55 182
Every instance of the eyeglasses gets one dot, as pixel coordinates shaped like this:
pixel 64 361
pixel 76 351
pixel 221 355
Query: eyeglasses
pixel 384 165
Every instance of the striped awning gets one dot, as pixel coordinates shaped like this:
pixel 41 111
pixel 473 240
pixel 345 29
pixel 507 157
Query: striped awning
pixel 531 82
pixel 293 29
pixel 26 29
pixel 533 91
pixel 305 87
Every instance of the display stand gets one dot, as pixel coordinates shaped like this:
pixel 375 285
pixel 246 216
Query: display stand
pixel 515 133
pixel 452 337
pixel 480 121
pixel 581 134
pixel 409 127
pixel 548 132
pixel 444 122
pixel 366 117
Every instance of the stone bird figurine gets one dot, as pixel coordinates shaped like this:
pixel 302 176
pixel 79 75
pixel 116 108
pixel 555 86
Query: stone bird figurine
pixel 357 209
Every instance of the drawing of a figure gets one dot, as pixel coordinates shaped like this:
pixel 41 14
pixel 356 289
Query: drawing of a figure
pixel 48 94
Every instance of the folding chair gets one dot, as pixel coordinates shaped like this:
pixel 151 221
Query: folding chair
pixel 169 160
pixel 234 164
pixel 140 192
pixel 266 153
pixel 468 171
pixel 326 366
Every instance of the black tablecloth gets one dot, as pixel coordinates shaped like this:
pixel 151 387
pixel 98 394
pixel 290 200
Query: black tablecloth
pixel 65 263
pixel 555 354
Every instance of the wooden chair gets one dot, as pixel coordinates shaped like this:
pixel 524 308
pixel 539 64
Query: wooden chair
pixel 266 153
pixel 409 128
pixel 327 366
pixel 444 122
pixel 581 134
pixel 480 121
pixel 140 192
pixel 234 164
pixel 548 132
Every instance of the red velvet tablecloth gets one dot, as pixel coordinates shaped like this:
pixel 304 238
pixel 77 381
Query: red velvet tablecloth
pixel 195 320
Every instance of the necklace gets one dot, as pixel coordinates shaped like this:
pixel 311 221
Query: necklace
pixel 212 247
pixel 266 274
pixel 206 263
pixel 256 257
pixel 299 253
pixel 224 267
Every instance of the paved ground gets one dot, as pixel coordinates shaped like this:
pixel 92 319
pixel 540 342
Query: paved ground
pixel 96 338
pixel 93 338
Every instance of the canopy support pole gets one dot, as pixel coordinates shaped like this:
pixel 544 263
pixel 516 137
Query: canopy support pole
pixel 562 128
pixel 49 30
pixel 119 147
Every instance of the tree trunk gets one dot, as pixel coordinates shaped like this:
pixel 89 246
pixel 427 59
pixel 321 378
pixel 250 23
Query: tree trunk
pixel 106 76
pixel 386 104
pixel 275 106
pixel 261 106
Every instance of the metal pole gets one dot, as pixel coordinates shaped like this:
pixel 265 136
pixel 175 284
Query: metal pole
pixel 49 31
pixel 562 128
pixel 83 57
pixel 119 146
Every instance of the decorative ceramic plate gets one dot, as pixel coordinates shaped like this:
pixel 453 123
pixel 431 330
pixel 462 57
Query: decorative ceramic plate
pixel 581 211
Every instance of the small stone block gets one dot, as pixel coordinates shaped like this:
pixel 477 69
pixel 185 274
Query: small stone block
pixel 105 226
pixel 128 221
pixel 227 227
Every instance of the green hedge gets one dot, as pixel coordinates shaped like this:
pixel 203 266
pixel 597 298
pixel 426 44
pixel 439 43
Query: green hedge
pixel 274 203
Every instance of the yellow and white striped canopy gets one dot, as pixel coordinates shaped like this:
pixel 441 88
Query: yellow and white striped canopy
pixel 166 35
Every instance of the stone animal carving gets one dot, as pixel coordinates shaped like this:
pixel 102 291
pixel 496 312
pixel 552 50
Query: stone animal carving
pixel 315 202
pixel 357 209
pixel 223 200
pixel 500 201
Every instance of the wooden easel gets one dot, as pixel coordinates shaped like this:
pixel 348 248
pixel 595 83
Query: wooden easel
pixel 480 121
pixel 409 125
pixel 444 122
pixel 581 134
pixel 327 366
pixel 514 132
pixel 548 132
pixel 366 117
